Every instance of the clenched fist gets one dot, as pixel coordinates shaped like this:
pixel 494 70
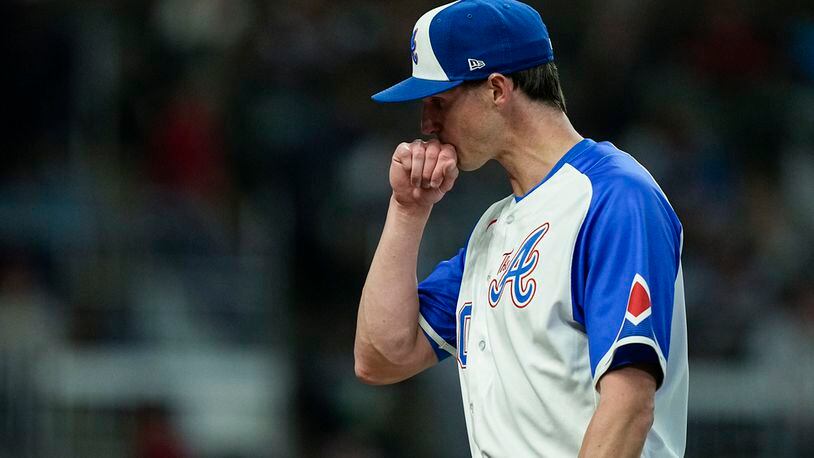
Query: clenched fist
pixel 421 172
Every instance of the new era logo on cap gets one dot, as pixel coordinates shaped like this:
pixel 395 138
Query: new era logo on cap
pixel 475 64
pixel 507 34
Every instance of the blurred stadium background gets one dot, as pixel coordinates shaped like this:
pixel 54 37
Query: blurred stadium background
pixel 191 192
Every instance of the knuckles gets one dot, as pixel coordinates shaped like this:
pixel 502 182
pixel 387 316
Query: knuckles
pixel 443 154
pixel 403 150
pixel 433 146
pixel 448 152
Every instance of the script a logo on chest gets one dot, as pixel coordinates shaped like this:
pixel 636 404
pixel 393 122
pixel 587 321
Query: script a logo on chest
pixel 515 269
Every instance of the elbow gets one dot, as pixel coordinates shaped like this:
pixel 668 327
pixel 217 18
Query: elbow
pixel 374 365
pixel 643 421
pixel 365 367
pixel 365 374
pixel 361 366
pixel 369 374
pixel 373 368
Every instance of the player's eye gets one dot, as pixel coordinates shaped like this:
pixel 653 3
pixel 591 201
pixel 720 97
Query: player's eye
pixel 437 102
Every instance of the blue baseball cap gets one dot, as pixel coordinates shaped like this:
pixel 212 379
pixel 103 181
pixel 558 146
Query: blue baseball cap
pixel 469 40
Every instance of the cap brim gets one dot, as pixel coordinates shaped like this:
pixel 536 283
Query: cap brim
pixel 413 89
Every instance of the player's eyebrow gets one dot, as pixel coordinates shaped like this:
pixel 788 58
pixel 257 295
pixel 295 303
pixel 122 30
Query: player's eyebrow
pixel 436 100
pixel 445 97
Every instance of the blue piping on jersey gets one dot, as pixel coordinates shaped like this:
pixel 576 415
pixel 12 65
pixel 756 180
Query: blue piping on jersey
pixel 575 150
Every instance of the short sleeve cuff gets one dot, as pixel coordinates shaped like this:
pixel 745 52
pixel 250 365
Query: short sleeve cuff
pixel 638 354
pixel 629 351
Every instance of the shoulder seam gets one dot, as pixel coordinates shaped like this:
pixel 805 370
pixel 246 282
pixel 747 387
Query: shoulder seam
pixel 596 164
pixel 575 247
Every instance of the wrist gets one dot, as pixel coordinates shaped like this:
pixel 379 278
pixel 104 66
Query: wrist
pixel 411 211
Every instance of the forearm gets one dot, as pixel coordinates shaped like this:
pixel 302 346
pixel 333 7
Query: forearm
pixel 389 344
pixel 388 310
pixel 623 418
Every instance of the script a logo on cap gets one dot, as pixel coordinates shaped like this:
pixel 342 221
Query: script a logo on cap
pixel 412 47
pixel 475 64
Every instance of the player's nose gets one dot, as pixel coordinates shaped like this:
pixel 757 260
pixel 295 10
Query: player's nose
pixel 429 119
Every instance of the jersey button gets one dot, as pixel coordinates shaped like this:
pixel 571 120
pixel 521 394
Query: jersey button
pixel 482 345
pixel 509 219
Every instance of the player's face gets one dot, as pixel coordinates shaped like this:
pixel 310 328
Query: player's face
pixel 461 118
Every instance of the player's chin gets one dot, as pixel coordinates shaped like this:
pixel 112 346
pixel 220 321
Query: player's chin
pixel 467 165
pixel 464 167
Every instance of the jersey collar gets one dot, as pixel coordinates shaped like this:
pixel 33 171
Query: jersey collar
pixel 575 151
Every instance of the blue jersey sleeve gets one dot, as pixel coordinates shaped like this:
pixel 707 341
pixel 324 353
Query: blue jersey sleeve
pixel 626 261
pixel 438 298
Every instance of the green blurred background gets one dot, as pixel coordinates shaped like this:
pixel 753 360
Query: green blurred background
pixel 191 192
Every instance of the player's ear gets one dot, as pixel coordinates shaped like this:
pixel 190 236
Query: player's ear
pixel 500 87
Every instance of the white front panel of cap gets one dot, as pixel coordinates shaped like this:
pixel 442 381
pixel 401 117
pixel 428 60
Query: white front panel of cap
pixel 425 64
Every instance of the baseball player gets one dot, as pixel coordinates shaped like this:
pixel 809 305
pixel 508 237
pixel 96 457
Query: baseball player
pixel 565 307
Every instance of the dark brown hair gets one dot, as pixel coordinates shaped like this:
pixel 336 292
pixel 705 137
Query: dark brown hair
pixel 541 83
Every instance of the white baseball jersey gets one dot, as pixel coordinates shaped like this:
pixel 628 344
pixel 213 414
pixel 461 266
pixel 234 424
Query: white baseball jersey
pixel 555 288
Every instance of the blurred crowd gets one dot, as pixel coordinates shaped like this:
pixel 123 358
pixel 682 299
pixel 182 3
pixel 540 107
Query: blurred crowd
pixel 187 179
